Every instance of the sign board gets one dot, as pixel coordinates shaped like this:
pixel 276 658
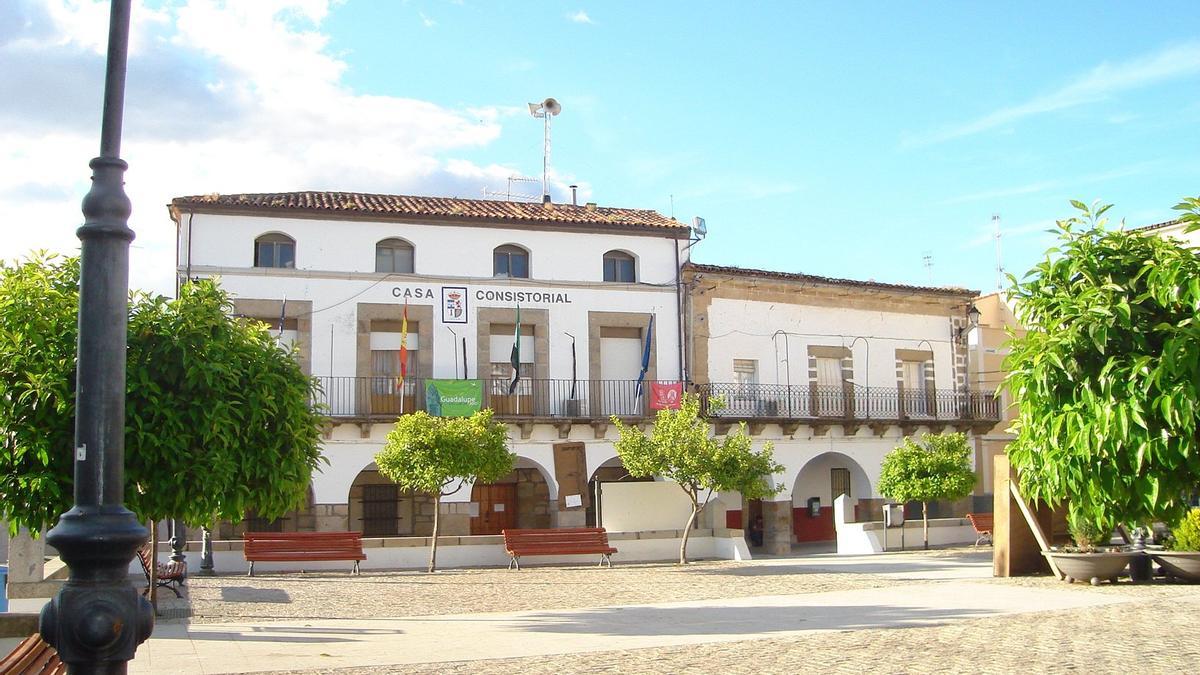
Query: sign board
pixel 574 501
pixel 453 398
pixel 665 395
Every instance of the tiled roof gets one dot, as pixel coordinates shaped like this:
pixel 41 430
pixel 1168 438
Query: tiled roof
pixel 811 278
pixel 1159 226
pixel 391 207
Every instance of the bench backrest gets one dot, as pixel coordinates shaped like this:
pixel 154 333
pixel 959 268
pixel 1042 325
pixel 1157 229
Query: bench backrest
pixel 302 542
pixel 34 656
pixel 981 521
pixel 567 536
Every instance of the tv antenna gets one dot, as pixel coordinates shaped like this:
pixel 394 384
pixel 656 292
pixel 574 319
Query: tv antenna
pixel 545 110
pixel 999 259
pixel 927 261
pixel 509 195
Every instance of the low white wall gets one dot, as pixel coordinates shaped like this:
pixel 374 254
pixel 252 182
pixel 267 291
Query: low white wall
pixel 480 551
pixel 639 507
pixel 864 538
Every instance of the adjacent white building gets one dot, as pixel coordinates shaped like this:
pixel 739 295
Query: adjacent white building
pixel 834 373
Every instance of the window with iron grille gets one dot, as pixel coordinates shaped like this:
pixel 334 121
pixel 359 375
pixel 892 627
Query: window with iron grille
pixel 380 510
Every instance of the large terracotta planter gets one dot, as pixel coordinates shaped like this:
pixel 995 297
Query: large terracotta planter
pixel 1179 564
pixel 1092 567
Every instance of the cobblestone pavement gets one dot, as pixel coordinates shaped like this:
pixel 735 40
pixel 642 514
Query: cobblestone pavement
pixel 1155 635
pixel 330 595
pixel 1154 631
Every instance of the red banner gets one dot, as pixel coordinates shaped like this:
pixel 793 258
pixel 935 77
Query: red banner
pixel 665 395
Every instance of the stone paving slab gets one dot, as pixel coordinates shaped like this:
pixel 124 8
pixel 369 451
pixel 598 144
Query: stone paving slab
pixel 329 644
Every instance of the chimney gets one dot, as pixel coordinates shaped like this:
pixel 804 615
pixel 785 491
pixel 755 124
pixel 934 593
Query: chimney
pixel 574 196
pixel 590 206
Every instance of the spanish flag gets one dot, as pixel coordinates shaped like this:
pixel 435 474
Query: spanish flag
pixel 404 345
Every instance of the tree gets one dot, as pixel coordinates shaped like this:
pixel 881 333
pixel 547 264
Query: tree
pixel 218 418
pixel 1107 377
pixel 430 454
pixel 936 468
pixel 681 449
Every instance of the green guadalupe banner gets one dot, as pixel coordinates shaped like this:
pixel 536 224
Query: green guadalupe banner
pixel 453 398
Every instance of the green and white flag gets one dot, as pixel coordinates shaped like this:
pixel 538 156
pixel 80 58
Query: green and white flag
pixel 515 358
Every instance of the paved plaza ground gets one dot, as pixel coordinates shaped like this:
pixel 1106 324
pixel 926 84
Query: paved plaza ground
pixel 911 612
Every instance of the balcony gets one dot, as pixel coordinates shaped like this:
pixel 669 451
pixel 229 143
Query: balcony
pixel 373 399
pixel 851 405
pixel 379 398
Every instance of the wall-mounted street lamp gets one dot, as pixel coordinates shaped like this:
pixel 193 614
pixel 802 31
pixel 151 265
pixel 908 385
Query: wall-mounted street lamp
pixel 973 314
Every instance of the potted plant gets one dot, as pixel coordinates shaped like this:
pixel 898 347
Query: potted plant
pixel 1106 383
pixel 1181 560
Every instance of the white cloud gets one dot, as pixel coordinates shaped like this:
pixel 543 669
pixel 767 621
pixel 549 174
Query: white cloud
pixel 222 97
pixel 1098 84
pixel 580 17
pixel 426 20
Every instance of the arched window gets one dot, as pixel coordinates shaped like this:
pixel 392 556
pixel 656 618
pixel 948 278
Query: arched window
pixel 394 255
pixel 510 261
pixel 619 266
pixel 275 250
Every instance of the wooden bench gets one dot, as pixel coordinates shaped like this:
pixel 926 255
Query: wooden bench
pixel 170 575
pixel 302 546
pixel 565 541
pixel 34 656
pixel 982 522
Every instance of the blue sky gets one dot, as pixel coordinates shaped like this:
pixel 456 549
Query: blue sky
pixel 841 139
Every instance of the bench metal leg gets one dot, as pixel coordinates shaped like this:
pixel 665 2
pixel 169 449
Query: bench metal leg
pixel 356 567
pixel 515 561
pixel 251 573
pixel 606 558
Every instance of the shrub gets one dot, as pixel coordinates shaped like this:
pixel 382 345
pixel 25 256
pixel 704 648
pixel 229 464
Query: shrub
pixel 1186 535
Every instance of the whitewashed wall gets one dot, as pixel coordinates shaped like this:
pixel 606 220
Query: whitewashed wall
pixel 743 330
pixel 349 246
pixel 335 270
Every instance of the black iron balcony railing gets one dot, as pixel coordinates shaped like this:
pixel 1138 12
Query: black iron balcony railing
pixel 383 397
pixel 808 401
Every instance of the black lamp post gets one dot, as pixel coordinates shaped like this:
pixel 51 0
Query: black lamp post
pixel 98 619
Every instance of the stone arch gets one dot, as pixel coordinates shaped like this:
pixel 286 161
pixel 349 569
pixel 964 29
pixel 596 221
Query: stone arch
pixel 818 478
pixel 610 470
pixel 525 498
pixel 377 507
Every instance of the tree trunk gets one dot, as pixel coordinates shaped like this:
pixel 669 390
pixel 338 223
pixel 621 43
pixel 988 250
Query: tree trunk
pixel 437 507
pixel 925 523
pixel 687 531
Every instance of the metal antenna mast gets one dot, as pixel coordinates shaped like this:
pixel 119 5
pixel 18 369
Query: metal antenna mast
pixel 927 260
pixel 545 110
pixel 999 260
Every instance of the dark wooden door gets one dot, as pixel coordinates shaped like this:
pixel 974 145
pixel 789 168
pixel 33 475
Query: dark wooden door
pixel 497 508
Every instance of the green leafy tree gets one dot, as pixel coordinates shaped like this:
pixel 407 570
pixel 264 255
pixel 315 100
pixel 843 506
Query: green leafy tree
pixel 438 455
pixel 1107 377
pixel 218 418
pixel 681 449
pixel 936 468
